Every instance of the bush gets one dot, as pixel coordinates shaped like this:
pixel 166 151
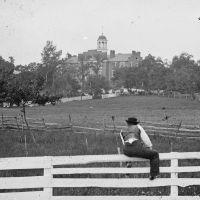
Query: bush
pixel 97 96
pixel 54 99
pixel 41 99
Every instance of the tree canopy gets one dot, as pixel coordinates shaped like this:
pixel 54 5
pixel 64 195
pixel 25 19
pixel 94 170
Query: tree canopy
pixel 181 75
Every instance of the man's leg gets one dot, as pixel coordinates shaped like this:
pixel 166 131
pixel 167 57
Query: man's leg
pixel 138 150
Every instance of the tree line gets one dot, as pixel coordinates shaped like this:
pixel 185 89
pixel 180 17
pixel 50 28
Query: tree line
pixel 181 75
pixel 53 77
pixel 49 80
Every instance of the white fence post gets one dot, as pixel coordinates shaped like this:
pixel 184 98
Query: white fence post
pixel 174 175
pixel 48 191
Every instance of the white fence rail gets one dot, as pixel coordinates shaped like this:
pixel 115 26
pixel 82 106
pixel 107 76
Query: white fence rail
pixel 88 97
pixel 79 98
pixel 47 182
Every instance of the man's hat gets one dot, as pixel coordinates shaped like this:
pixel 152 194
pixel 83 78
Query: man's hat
pixel 132 120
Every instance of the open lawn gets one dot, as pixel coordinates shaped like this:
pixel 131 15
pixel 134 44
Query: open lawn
pixel 91 113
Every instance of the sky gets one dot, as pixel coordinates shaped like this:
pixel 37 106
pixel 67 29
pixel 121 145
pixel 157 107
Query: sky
pixel 163 28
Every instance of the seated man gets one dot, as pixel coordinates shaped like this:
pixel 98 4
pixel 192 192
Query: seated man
pixel 137 144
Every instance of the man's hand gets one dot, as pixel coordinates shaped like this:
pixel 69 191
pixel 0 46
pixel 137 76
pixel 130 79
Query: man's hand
pixel 121 136
pixel 150 148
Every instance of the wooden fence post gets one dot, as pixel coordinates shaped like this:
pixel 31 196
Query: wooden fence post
pixel 48 190
pixel 179 126
pixel 43 122
pixel 70 122
pixel 17 122
pixel 25 144
pixel 86 142
pixel 114 131
pixel 174 175
pixel 104 124
pixel 26 122
pixel 24 135
pixel 2 120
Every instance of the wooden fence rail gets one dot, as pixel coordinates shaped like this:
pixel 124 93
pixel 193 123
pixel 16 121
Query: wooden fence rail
pixel 19 122
pixel 162 129
pixel 54 165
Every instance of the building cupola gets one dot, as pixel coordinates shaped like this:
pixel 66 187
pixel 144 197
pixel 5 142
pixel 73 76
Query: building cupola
pixel 102 43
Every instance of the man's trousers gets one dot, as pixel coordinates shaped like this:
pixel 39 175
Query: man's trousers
pixel 137 149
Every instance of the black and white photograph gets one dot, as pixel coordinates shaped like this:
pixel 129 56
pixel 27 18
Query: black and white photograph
pixel 99 99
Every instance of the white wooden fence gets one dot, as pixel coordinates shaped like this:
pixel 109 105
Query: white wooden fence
pixel 48 182
pixel 79 98
pixel 88 97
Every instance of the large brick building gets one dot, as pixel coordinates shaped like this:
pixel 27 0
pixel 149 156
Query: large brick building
pixel 111 61
pixel 119 60
pixel 114 60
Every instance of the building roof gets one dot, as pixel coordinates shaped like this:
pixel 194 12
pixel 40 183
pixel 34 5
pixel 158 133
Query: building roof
pixel 102 37
pixel 72 60
pixel 121 57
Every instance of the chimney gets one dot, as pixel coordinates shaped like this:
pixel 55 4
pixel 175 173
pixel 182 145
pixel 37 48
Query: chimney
pixel 139 54
pixel 112 53
pixel 133 53
pixel 80 57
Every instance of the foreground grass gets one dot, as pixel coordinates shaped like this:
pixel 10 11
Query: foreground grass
pixel 63 143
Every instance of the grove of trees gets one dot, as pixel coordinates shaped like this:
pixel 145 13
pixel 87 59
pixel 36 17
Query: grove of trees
pixel 54 78
pixel 48 80
pixel 182 75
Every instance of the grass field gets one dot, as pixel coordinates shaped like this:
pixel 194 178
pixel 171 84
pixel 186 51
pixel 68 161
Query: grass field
pixel 91 113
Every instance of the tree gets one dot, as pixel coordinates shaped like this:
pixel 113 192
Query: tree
pixel 82 73
pixel 65 84
pixel 118 78
pixel 184 74
pixel 96 65
pixel 23 87
pixel 149 75
pixel 66 80
pixel 96 84
pixel 125 77
pixel 12 60
pixel 50 56
pixel 6 74
pixel 50 62
pixel 183 61
pixel 31 67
